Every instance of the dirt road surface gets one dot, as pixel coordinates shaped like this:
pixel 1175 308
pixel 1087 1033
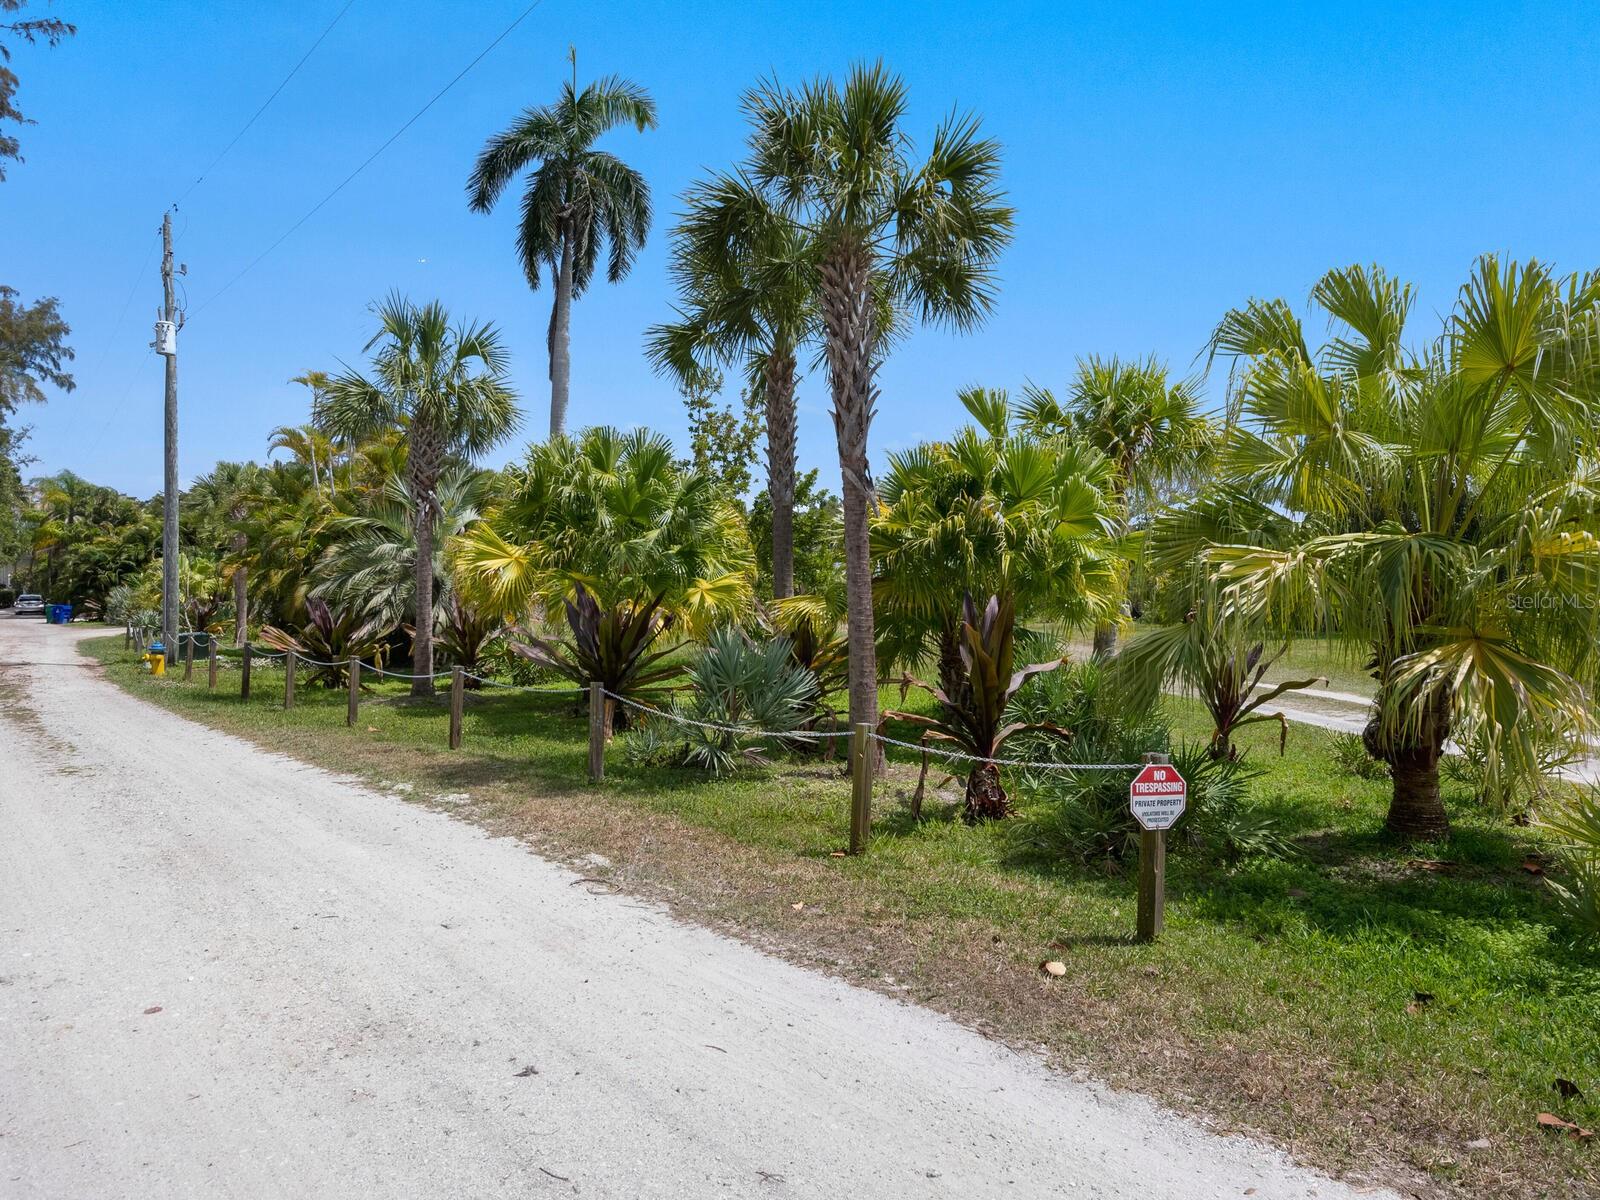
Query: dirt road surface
pixel 227 974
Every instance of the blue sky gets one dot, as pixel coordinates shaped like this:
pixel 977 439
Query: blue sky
pixel 1166 162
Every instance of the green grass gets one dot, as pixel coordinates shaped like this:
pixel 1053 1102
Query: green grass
pixel 1283 998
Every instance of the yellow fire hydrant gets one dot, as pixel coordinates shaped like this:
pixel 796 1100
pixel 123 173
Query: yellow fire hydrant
pixel 155 659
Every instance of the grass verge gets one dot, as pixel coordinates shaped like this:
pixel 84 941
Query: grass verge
pixel 1286 999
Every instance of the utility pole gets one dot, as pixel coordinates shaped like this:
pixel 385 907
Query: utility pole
pixel 167 347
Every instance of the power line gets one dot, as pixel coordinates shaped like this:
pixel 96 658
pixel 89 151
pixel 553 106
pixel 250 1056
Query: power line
pixel 245 128
pixel 394 137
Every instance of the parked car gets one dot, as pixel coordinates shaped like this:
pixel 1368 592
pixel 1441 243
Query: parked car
pixel 30 605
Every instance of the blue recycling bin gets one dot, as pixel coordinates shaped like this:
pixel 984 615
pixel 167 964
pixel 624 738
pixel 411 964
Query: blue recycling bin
pixel 58 614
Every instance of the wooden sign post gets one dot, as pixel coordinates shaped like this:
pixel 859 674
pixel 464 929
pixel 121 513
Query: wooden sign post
pixel 597 731
pixel 458 695
pixel 353 708
pixel 861 763
pixel 1156 797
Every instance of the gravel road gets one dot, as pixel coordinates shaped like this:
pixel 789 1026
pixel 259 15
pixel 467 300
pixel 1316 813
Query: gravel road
pixel 227 974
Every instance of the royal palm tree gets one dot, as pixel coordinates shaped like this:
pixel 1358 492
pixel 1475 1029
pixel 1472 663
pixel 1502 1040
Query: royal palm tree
pixel 577 198
pixel 1438 512
pixel 1148 427
pixel 445 386
pixel 835 162
pixel 747 299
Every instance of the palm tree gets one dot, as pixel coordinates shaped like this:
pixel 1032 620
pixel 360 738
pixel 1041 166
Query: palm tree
pixel 613 533
pixel 996 510
pixel 615 514
pixel 317 383
pixel 746 298
pixel 227 490
pixel 445 386
pixel 371 566
pixel 1437 511
pixel 309 445
pixel 836 164
pixel 1147 426
pixel 577 197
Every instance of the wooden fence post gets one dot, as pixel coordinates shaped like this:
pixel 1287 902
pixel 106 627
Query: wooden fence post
pixel 1152 876
pixel 244 674
pixel 188 658
pixel 861 757
pixel 127 635
pixel 458 692
pixel 288 681
pixel 353 710
pixel 211 664
pixel 597 731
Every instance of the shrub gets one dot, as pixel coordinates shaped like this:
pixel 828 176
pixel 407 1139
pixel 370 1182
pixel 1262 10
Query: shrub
pixel 1577 823
pixel 326 637
pixel 732 682
pixel 1084 814
pixel 1350 754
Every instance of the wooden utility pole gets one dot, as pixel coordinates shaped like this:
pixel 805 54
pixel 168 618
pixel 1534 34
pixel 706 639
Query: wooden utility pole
pixel 167 347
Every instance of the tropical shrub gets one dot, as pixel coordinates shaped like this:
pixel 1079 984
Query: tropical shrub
pixel 328 640
pixel 1221 661
pixel 1577 824
pixel 609 646
pixel 616 515
pixel 974 716
pixel 1084 814
pixel 735 682
pixel 464 634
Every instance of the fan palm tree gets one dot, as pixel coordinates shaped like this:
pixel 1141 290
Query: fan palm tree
pixel 1148 427
pixel 1438 511
pixel 835 162
pixel 445 386
pixel 996 510
pixel 371 566
pixel 615 514
pixel 746 298
pixel 577 198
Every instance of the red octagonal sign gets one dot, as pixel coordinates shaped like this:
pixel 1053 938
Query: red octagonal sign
pixel 1158 796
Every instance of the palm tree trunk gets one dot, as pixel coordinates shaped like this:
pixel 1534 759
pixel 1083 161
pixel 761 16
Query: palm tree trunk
pixel 780 368
pixel 1416 811
pixel 561 339
pixel 986 799
pixel 422 463
pixel 846 296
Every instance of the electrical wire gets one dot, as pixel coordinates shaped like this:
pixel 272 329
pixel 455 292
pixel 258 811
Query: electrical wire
pixel 394 137
pixel 265 104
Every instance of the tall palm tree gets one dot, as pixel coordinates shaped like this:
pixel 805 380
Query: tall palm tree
pixel 1438 511
pixel 307 444
pixel 746 298
pixel 1148 426
pixel 836 163
pixel 577 197
pixel 445 386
